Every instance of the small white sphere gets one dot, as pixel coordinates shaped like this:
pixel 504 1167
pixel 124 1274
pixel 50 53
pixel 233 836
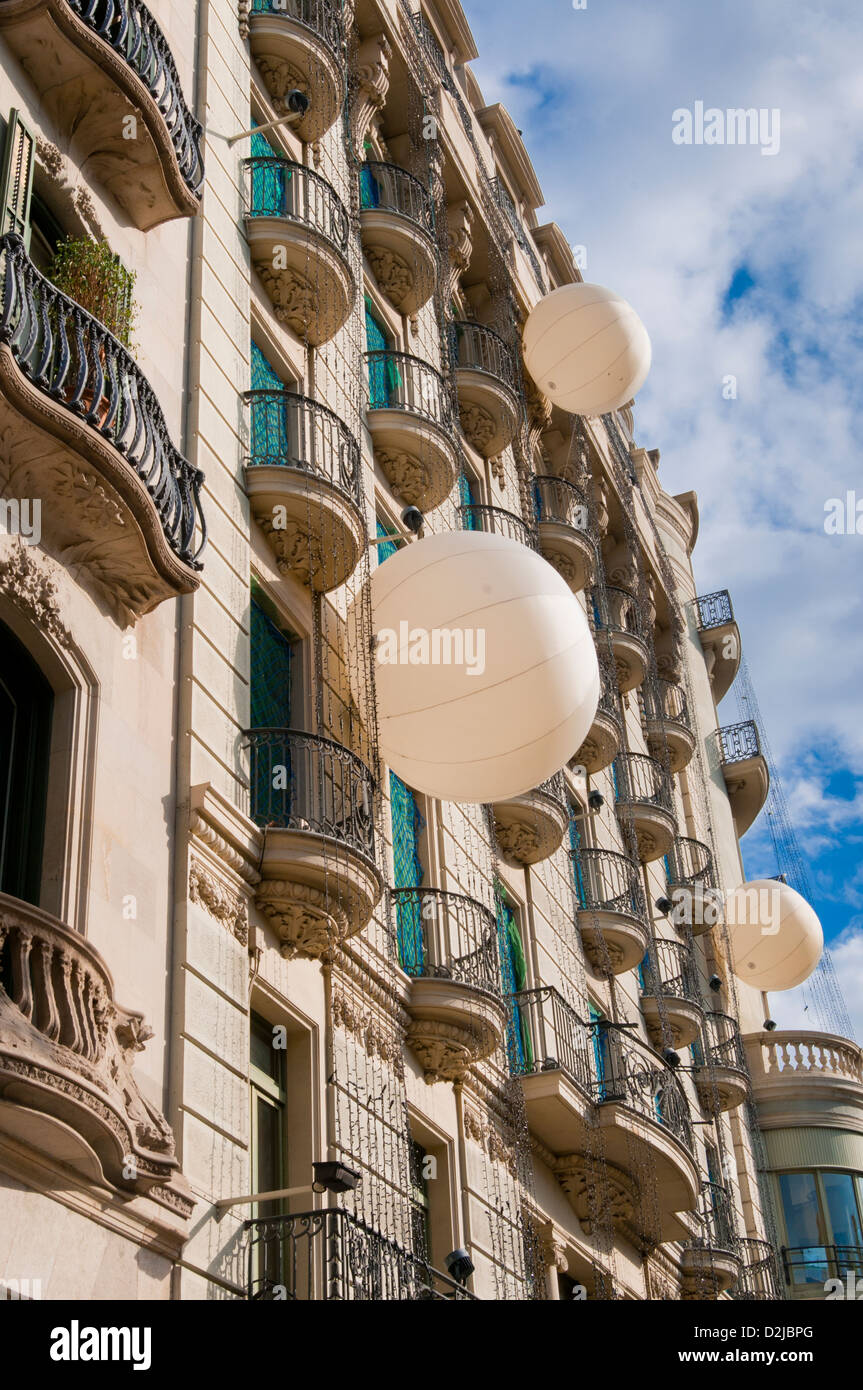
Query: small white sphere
pixel 486 673
pixel 775 935
pixel 586 349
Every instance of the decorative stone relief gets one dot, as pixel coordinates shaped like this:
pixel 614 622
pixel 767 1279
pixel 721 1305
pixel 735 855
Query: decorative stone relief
pixel 27 582
pixel 292 295
pixel 460 241
pixel 478 425
pixel 408 476
pixel 498 472
pixel 307 922
pixel 376 1039
pixel 373 80
pixel 281 77
pixel 393 274
pixel 243 9
pixel 226 906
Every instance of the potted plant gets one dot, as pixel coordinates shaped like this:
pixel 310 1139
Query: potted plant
pixel 89 273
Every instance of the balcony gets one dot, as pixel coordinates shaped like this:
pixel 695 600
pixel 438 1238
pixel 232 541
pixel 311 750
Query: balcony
pixel 720 640
pixel 398 235
pixel 711 1262
pixel 298 44
pixel 90 439
pixel 668 724
pixel 744 767
pixel 612 914
pixel 95 65
pixel 720 1073
pixel 552 1055
pixel 447 944
pixel 605 738
pixel 531 827
pixel 670 997
pixel 303 481
pixel 319 881
pixel 618 613
pixel 757 1280
pixel 410 419
pixel 645 807
pixel 806 1078
pixel 689 869
pixel 639 1167
pixel 488 399
pixel 67 1055
pixel 806 1269
pixel 562 522
pixel 496 521
pixel 297 229
pixel 331 1255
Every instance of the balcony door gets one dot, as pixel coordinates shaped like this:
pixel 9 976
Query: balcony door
pixel 26 710
pixel 273 658
pixel 513 974
pixel 408 873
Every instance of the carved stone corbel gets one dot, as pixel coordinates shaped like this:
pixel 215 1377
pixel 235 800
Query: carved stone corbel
pixel 373 82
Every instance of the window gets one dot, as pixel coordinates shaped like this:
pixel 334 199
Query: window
pixel 273 185
pixel 274 656
pixel 408 873
pixel 469 498
pixel 420 1203
pixel 26 715
pixel 269 1114
pixel 388 548
pixel 822 1216
pixel 513 972
pixel 384 378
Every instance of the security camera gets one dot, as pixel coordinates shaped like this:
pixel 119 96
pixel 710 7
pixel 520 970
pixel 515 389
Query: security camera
pixel 714 983
pixel 596 801
pixel 297 102
pixel 769 1025
pixel 459 1265
pixel 664 905
pixel 413 519
pixel 334 1177
pixel 670 1057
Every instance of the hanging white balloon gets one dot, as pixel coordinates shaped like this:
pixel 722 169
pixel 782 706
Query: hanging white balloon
pixel 586 349
pixel 487 679
pixel 775 935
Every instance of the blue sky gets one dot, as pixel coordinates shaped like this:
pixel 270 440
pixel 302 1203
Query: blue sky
pixel 746 265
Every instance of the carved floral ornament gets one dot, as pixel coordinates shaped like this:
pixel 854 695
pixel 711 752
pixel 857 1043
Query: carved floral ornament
pixel 28 583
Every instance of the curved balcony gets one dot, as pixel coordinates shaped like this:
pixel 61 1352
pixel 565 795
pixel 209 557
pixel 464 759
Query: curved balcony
pixel 497 521
pixel 605 737
pixel 668 724
pixel 67 1053
pixel 642 791
pixel 670 997
pixel 744 767
pixel 562 523
pixel 758 1280
pixel 398 235
pixel 303 482
pixel 91 441
pixel 553 1057
pixel 721 1075
pixel 531 827
pixel 646 1174
pixel 298 44
pixel 97 66
pixel 710 1262
pixel 618 613
pixel 319 881
pixel 410 420
pixel 689 873
pixel 448 946
pixel 806 1078
pixel 297 229
pixel 612 914
pixel 720 640
pixel 488 400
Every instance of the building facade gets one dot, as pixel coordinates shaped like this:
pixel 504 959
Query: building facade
pixel 234 944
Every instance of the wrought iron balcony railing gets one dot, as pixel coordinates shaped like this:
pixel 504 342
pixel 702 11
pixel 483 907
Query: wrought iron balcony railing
pixel 447 936
pixel 689 862
pixel 70 357
pixel 292 431
pixel 480 349
pixel 721 1044
pixel 641 780
pixel 738 742
pixel 552 1036
pixel 277 187
pixel 607 881
pixel 618 610
pixel 507 207
pixel 558 500
pixel 132 32
pixel 334 1256
pixel 669 970
pixel 387 188
pixel 718 1230
pixel 302 781
pixel 323 17
pixel 665 700
pixel 714 610
pixel 629 1073
pixel 498 522
pixel 758 1279
pixel 398 381
pixel 815 1264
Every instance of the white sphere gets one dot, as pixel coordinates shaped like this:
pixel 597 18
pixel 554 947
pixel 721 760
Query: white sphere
pixel 586 349
pixel 501 728
pixel 775 935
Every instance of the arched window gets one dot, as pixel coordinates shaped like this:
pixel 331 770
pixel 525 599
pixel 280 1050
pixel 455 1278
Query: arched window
pixel 26 710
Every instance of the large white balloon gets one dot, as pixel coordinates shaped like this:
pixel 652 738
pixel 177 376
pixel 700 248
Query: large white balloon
pixel 586 349
pixel 776 937
pixel 486 671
